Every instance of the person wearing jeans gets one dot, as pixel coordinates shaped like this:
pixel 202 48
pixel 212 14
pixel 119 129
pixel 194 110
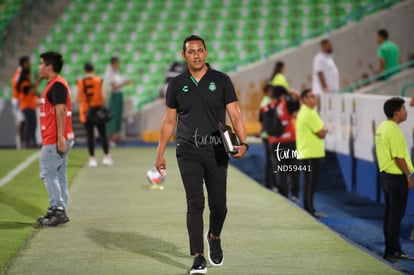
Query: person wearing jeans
pixel 57 137
pixel 53 167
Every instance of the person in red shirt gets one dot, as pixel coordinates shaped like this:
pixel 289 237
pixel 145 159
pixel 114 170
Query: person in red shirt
pixel 57 137
pixel 283 147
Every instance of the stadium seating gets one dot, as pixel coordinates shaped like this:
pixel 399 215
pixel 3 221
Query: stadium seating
pixel 8 8
pixel 147 35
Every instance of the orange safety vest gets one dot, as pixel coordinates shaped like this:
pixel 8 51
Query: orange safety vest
pixel 48 125
pixel 28 100
pixel 89 95
pixel 14 81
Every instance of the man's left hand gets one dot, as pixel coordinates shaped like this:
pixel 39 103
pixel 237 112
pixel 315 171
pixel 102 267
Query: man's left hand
pixel 241 151
pixel 61 145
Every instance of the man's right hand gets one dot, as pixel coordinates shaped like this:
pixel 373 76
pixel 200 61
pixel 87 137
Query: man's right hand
pixel 160 164
pixel 410 182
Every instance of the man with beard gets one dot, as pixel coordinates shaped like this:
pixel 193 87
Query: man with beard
pixel 325 74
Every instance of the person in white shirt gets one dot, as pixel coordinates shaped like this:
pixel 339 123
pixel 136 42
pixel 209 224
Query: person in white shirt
pixel 325 74
pixel 115 82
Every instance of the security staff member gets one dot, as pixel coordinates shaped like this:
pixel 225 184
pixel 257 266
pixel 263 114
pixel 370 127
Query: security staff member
pixel 199 98
pixel 310 132
pixel 28 104
pixel 91 94
pixel 285 142
pixel 396 170
pixel 57 137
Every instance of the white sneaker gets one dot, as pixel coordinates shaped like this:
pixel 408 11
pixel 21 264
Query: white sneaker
pixel 107 161
pixel 93 163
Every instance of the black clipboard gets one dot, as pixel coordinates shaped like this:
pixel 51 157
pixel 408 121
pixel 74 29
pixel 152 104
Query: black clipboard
pixel 229 138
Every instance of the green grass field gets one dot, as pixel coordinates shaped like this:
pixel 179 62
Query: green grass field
pixel 120 226
pixel 23 199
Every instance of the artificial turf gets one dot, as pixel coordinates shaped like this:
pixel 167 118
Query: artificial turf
pixel 121 226
pixel 23 199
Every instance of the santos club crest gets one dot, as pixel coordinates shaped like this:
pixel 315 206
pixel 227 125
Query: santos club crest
pixel 212 87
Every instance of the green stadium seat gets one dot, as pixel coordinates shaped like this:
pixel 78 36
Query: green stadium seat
pixel 325 21
pixel 148 34
pixel 345 7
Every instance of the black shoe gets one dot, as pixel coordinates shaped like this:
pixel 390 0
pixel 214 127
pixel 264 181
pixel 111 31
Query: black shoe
pixel 396 256
pixel 390 258
pixel 404 256
pixel 54 217
pixel 215 253
pixel 319 215
pixel 199 265
pixel 295 199
pixel 49 213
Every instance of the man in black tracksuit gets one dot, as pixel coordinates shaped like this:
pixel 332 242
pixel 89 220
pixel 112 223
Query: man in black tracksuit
pixel 197 100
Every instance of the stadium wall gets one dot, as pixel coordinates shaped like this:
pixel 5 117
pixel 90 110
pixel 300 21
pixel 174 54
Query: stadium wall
pixel 8 124
pixel 392 86
pixel 351 120
pixel 355 51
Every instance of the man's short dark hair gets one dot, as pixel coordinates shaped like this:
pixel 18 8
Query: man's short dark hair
pixel 114 59
pixel 393 105
pixel 88 67
pixel 193 38
pixel 304 93
pixel 53 58
pixel 23 60
pixel 324 41
pixel 383 33
pixel 267 87
pixel 278 91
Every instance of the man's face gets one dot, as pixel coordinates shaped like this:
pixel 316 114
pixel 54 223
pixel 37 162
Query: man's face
pixel 310 99
pixel 115 65
pixel 327 47
pixel 401 114
pixel 44 69
pixel 26 65
pixel 195 55
pixel 379 39
pixel 269 92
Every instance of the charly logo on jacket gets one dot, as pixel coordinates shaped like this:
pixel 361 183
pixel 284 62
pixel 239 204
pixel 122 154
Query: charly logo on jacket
pixel 212 87
pixel 185 89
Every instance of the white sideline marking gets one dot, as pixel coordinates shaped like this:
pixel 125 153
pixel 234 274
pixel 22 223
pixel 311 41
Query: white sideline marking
pixel 18 169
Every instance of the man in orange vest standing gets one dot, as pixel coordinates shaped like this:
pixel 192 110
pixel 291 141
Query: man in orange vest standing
pixel 24 67
pixel 57 137
pixel 91 95
pixel 28 98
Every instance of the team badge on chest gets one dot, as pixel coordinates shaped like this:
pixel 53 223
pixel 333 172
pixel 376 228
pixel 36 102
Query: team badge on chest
pixel 212 87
